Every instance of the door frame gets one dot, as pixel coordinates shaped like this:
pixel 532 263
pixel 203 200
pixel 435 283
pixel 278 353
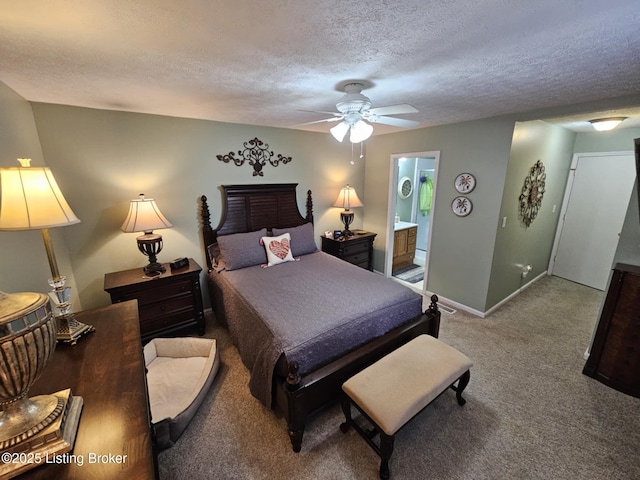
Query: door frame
pixel 567 197
pixel 394 160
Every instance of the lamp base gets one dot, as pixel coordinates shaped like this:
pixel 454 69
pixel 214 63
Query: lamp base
pixel 150 244
pixel 347 218
pixel 154 269
pixel 24 418
pixel 57 439
pixel 70 330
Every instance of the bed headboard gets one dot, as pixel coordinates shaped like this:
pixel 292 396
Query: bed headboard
pixel 247 208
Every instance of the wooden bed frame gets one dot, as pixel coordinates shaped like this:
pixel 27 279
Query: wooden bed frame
pixel 248 208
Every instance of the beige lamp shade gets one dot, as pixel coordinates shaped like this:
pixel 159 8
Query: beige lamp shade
pixel 144 216
pixel 348 198
pixel 30 199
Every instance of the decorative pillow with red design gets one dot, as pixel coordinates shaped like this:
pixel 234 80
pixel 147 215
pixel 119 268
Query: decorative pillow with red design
pixel 278 249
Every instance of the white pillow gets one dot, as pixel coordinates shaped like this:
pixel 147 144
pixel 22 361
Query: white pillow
pixel 278 249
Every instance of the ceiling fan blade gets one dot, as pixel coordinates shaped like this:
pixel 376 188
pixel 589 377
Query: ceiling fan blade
pixel 394 122
pixel 393 109
pixel 336 114
pixel 324 120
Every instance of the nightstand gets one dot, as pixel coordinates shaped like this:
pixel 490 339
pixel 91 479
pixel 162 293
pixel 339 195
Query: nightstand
pixel 166 303
pixel 357 249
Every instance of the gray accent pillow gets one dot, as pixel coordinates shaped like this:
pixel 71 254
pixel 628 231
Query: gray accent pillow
pixel 240 250
pixel 302 241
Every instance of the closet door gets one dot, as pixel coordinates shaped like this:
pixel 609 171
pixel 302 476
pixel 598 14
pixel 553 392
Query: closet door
pixel 593 219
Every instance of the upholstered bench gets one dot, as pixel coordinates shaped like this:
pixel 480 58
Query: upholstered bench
pixel 393 390
pixel 180 371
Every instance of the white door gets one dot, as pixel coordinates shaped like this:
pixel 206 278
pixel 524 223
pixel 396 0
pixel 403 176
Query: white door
pixel 595 211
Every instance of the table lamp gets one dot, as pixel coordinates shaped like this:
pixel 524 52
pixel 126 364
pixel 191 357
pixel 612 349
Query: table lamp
pixel 45 425
pixel 347 199
pixel 145 216
pixel 30 199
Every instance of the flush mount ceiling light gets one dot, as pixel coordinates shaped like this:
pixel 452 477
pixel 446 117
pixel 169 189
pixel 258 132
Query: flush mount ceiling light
pixel 605 124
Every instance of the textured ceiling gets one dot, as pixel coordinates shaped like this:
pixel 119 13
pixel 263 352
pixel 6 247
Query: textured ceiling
pixel 260 62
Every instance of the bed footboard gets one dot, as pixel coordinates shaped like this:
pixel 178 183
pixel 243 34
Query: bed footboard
pixel 296 397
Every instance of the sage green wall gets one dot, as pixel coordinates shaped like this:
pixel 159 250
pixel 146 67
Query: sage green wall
pixel 516 244
pixel 613 141
pixel 103 158
pixel 23 259
pixel 106 158
pixel 461 248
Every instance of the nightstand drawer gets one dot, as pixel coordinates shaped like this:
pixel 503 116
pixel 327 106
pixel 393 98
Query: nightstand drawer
pixel 166 307
pixel 355 248
pixel 159 290
pixel 358 258
pixel 168 314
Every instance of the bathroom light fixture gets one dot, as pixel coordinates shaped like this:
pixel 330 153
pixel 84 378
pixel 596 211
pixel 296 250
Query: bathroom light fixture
pixel 605 124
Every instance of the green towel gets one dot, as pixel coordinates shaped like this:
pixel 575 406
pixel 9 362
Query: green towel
pixel 426 195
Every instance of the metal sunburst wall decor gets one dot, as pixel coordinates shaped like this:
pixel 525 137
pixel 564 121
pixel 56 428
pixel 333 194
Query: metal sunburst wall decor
pixel 532 192
pixel 256 153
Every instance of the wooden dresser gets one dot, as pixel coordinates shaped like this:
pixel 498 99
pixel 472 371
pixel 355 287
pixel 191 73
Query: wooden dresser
pixel 166 303
pixel 615 354
pixel 106 368
pixel 357 249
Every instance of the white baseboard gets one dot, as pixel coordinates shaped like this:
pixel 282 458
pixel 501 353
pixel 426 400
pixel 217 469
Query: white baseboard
pixel 514 294
pixel 473 311
pixel 457 305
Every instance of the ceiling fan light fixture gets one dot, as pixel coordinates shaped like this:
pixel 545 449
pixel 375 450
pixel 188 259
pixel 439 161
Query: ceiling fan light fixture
pixel 360 132
pixel 339 131
pixel 606 124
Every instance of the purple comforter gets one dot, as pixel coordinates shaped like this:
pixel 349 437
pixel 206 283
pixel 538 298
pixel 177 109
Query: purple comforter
pixel 311 311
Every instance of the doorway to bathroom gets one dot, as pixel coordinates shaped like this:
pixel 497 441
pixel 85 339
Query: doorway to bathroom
pixel 411 202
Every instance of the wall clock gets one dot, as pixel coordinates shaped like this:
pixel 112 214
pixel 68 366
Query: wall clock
pixel 405 187
pixel 461 206
pixel 532 192
pixel 465 183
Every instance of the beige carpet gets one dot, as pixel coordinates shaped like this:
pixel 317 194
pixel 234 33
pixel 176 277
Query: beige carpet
pixel 530 412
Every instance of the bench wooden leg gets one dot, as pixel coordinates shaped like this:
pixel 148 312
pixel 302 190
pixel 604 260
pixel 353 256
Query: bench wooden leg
pixel 386 449
pixel 346 409
pixel 462 384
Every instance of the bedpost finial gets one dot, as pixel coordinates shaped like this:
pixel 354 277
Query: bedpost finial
pixel 293 377
pixel 309 207
pixel 433 307
pixel 205 214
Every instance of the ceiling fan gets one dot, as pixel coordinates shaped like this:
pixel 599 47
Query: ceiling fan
pixel 354 109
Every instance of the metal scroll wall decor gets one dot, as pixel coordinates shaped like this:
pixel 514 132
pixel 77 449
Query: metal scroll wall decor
pixel 256 153
pixel 532 192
